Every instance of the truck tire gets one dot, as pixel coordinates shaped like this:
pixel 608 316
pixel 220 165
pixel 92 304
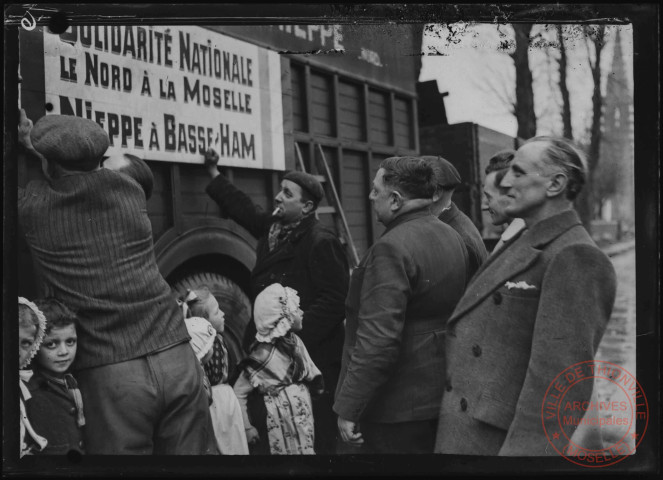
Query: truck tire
pixel 232 301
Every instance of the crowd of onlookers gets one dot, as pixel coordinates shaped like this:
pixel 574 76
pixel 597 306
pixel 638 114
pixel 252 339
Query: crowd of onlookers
pixel 430 344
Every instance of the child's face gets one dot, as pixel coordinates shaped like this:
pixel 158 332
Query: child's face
pixel 58 350
pixel 26 339
pixel 214 315
pixel 297 320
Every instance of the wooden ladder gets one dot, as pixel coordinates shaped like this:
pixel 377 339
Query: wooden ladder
pixel 334 207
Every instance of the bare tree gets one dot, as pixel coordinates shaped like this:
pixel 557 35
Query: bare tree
pixel 524 108
pixel 496 83
pixel 595 41
pixel 566 101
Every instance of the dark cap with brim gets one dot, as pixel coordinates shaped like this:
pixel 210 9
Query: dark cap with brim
pixel 307 182
pixel 75 143
pixel 446 174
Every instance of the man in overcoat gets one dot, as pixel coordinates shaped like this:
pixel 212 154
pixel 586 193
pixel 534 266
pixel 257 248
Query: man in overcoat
pixel 297 251
pixel 448 179
pixel 400 297
pixel 536 307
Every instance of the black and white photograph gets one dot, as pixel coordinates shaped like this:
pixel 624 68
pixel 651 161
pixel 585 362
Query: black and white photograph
pixel 332 240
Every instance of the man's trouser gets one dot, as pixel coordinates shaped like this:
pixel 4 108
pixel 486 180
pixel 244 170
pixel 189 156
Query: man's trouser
pixel 155 404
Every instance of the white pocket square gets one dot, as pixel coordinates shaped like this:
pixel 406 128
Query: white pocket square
pixel 520 285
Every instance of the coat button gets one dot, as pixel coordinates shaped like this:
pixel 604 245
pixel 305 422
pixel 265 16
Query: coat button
pixel 463 404
pixel 497 298
pixel 476 350
pixel 448 386
pixel 80 444
pixel 72 410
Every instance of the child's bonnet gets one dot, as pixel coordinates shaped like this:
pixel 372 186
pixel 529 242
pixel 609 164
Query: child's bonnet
pixel 273 312
pixel 41 330
pixel 39 442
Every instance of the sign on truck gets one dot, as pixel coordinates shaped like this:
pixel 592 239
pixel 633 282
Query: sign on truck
pixel 169 93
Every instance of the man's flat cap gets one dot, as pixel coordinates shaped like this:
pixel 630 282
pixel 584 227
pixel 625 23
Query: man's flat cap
pixel 75 143
pixel 445 173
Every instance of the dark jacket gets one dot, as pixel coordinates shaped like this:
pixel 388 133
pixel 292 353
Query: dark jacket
pixel 52 412
pixel 536 307
pixel 476 249
pixel 91 240
pixel 312 261
pixel 401 295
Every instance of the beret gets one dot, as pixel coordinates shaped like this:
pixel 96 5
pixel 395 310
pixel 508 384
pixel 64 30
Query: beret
pixel 73 142
pixel 307 182
pixel 446 174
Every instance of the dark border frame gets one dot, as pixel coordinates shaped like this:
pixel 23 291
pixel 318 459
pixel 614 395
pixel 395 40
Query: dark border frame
pixel 644 18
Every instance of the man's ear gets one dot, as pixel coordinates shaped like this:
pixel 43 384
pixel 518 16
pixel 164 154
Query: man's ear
pixel 308 207
pixel 558 183
pixel 396 200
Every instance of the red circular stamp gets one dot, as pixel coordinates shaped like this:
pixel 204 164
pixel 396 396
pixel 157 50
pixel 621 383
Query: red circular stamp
pixel 568 411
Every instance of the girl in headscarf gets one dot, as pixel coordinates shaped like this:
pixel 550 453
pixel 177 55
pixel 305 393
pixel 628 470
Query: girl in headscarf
pixel 280 367
pixel 31 331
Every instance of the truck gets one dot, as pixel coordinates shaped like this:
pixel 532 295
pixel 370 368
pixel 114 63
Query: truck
pixel 468 146
pixel 166 93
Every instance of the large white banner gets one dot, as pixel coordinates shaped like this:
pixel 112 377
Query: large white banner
pixel 170 92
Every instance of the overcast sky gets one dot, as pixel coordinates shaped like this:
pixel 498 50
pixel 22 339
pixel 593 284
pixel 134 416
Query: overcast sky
pixel 470 66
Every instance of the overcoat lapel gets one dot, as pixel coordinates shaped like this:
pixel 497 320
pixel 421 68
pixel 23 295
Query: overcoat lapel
pixel 511 261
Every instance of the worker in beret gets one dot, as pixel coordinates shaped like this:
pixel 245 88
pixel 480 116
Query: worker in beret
pixel 448 179
pixel 91 239
pixel 297 251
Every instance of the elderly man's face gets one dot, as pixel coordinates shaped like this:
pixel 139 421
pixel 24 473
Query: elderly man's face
pixel 381 198
pixel 494 201
pixel 527 182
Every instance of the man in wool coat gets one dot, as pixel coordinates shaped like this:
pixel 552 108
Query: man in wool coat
pixel 401 295
pixel 448 179
pixel 535 308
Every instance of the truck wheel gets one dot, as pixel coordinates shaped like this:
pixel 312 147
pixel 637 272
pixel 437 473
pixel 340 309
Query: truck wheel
pixel 232 301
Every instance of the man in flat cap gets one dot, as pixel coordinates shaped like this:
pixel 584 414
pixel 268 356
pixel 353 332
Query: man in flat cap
pixel 448 179
pixel 295 250
pixel 91 239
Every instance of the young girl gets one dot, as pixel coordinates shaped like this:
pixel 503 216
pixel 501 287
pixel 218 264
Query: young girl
pixel 201 303
pixel 31 328
pixel 205 324
pixel 279 366
pixel 56 408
